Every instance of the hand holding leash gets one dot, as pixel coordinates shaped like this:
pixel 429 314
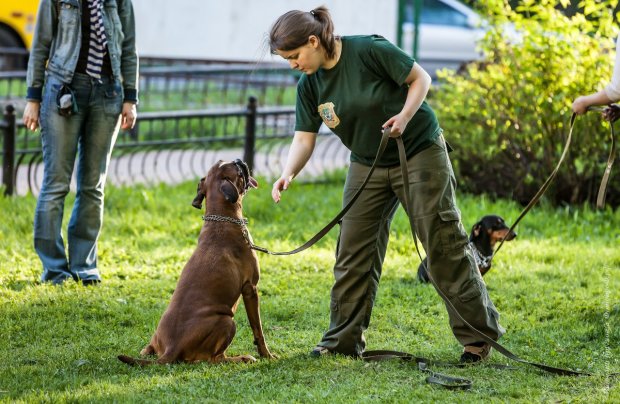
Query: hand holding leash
pixel 388 130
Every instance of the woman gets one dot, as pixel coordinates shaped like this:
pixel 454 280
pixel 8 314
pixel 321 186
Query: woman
pixel 358 85
pixel 82 85
pixel 608 95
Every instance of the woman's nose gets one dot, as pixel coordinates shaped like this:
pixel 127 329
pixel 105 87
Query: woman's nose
pixel 293 64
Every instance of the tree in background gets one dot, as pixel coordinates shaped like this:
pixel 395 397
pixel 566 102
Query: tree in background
pixel 508 115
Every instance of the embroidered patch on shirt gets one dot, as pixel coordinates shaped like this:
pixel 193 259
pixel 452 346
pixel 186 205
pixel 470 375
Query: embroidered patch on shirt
pixel 329 115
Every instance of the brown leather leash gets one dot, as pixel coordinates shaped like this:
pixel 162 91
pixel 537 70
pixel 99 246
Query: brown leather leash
pixel 441 379
pixel 330 225
pixel 602 191
pixel 447 381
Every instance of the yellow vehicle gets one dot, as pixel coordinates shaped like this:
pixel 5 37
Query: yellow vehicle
pixel 17 20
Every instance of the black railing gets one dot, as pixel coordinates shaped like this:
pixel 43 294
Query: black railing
pixel 7 125
pixel 186 87
pixel 177 146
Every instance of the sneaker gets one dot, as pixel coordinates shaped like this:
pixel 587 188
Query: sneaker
pixel 319 351
pixel 474 353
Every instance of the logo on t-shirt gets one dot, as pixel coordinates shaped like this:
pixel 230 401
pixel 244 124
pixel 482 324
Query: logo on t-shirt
pixel 329 115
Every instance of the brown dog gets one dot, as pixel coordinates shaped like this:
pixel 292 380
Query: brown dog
pixel 198 324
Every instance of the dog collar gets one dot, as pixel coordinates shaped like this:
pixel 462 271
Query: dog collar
pixel 483 261
pixel 239 222
pixel 217 218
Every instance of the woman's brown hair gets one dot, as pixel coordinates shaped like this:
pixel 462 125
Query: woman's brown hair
pixel 293 29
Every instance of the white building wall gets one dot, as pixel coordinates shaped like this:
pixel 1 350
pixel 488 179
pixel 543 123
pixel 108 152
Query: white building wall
pixel 237 29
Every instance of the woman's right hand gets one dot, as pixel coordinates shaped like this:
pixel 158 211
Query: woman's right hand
pixel 31 115
pixel 279 186
pixel 580 105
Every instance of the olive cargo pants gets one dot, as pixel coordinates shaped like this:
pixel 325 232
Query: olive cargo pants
pixel 363 242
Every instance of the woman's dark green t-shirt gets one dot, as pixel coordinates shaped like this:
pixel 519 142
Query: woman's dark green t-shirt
pixel 362 91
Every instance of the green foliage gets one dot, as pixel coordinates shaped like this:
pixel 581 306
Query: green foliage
pixel 557 287
pixel 508 116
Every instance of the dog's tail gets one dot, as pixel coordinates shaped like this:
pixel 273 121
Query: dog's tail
pixel 136 362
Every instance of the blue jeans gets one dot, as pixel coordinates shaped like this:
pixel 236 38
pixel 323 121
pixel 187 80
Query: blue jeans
pixel 88 135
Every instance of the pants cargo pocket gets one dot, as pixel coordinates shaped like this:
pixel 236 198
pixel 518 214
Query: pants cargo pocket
pixel 470 290
pixel 451 232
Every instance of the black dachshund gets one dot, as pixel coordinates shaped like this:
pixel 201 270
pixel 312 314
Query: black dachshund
pixel 483 237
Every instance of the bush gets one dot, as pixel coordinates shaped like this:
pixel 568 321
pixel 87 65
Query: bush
pixel 508 116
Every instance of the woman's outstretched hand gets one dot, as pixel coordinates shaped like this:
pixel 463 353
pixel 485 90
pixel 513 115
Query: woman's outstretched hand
pixel 279 186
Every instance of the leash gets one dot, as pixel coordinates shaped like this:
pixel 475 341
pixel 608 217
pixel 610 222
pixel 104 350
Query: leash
pixel 602 191
pixel 447 381
pixel 480 334
pixel 330 225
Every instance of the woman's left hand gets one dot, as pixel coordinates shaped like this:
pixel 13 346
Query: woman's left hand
pixel 129 115
pixel 398 124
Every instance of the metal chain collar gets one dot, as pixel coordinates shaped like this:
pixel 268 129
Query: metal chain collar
pixel 240 222
pixel 217 218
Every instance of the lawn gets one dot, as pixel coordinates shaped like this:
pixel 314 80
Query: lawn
pixel 557 288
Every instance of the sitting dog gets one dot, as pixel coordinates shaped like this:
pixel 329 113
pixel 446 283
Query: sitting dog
pixel 198 323
pixel 483 237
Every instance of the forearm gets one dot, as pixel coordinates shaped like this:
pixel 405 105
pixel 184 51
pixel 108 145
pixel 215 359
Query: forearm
pixel 129 56
pixel 599 98
pixel 299 153
pixel 39 53
pixel 581 104
pixel 418 90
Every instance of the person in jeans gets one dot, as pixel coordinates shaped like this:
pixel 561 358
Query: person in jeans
pixel 82 86
pixel 608 95
pixel 356 86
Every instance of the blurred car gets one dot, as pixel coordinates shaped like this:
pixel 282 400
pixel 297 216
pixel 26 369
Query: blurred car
pixel 448 34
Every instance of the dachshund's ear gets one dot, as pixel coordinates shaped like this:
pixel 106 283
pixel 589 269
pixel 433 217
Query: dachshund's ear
pixel 476 229
pixel 200 196
pixel 230 191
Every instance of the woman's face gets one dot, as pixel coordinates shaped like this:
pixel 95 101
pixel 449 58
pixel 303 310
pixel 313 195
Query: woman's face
pixel 307 58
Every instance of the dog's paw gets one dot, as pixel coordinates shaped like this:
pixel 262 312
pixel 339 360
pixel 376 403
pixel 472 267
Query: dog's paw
pixel 247 358
pixel 265 354
pixel 268 355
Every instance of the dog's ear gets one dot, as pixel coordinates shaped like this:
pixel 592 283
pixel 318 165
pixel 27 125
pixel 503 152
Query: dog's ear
pixel 200 196
pixel 476 229
pixel 252 182
pixel 230 191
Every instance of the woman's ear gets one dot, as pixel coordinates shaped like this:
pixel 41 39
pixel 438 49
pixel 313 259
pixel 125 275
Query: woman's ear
pixel 314 41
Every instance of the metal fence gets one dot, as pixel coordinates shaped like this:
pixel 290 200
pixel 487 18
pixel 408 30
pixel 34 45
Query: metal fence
pixel 184 87
pixel 177 146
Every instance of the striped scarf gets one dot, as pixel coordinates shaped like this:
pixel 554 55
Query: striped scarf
pixel 97 42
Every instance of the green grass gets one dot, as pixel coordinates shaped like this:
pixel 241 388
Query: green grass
pixel 557 287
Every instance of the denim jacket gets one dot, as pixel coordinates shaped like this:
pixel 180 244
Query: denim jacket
pixel 57 41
